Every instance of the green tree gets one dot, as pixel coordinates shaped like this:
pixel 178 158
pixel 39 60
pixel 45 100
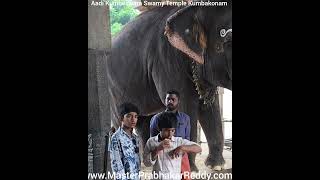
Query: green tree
pixel 116 28
pixel 120 14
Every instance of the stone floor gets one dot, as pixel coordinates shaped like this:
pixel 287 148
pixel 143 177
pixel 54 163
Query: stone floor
pixel 200 159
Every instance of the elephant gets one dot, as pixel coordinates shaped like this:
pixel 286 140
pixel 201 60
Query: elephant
pixel 186 48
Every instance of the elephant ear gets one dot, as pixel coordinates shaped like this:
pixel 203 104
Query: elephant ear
pixel 185 32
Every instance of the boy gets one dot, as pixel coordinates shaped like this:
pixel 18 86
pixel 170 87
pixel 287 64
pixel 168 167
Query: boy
pixel 165 151
pixel 172 102
pixel 124 145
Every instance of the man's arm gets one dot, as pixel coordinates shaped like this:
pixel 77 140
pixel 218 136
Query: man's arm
pixel 190 148
pixel 154 154
pixel 186 147
pixel 148 154
pixel 154 130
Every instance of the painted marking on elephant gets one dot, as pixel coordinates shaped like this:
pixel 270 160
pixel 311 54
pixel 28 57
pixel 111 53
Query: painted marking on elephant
pixel 223 32
pixel 177 42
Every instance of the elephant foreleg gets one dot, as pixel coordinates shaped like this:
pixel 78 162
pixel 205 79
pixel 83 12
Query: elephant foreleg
pixel 210 120
pixel 143 128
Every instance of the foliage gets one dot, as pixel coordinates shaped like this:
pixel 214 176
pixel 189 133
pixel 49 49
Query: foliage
pixel 116 28
pixel 121 12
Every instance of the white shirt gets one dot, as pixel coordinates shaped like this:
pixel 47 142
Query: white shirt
pixel 164 164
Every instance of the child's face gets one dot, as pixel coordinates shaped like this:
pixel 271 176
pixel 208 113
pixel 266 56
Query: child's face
pixel 167 132
pixel 129 120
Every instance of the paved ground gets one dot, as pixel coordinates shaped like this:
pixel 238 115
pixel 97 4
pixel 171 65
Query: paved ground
pixel 200 158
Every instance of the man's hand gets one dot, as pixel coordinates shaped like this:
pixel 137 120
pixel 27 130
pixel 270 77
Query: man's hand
pixel 164 144
pixel 176 152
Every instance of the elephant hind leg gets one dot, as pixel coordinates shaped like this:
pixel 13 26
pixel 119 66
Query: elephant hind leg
pixel 143 128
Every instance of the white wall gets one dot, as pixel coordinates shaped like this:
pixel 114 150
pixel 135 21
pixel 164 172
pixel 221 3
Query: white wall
pixel 227 113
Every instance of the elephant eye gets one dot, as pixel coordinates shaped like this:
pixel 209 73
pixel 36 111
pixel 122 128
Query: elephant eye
pixel 187 31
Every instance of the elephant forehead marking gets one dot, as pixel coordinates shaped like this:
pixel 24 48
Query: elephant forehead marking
pixel 223 32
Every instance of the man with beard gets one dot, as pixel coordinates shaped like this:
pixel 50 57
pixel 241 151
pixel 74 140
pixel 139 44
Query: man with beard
pixel 172 101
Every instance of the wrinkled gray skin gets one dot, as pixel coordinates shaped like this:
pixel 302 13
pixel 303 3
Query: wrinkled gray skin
pixel 144 65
